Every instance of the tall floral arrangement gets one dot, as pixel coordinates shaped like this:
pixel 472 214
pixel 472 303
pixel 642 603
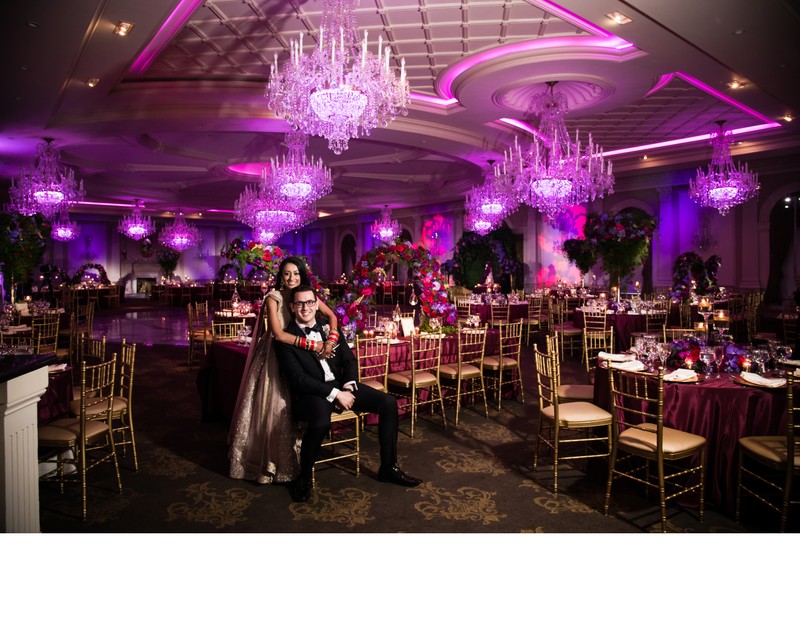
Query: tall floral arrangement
pixel 263 257
pixel 23 242
pixel 619 242
pixel 168 260
pixel 473 251
pixel 692 275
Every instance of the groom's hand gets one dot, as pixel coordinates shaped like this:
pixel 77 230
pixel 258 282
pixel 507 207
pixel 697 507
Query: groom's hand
pixel 345 399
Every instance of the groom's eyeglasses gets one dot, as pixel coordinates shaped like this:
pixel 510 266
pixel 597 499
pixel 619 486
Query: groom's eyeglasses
pixel 304 303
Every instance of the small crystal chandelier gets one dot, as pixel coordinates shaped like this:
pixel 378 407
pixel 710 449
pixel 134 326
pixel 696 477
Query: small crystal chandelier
pixel 136 226
pixel 179 235
pixel 63 229
pixel 339 90
pixel 49 188
pixel 267 213
pixel 296 178
pixel 494 198
pixel 725 184
pixel 480 223
pixel 385 229
pixel 554 174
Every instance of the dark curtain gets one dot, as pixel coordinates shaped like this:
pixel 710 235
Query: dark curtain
pixel 781 236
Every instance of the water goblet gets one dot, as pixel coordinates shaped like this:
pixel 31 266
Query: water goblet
pixel 664 350
pixel 707 357
pixel 719 359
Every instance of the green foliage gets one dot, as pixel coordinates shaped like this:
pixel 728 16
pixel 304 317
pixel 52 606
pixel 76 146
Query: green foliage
pixel 168 260
pixel 23 242
pixel 473 251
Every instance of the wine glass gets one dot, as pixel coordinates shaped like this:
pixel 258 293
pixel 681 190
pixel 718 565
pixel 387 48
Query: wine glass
pixel 707 357
pixel 719 359
pixel 664 350
pixel 784 352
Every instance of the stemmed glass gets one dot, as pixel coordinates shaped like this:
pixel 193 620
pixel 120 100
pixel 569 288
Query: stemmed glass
pixel 719 359
pixel 707 356
pixel 784 352
pixel 664 350
pixel 704 309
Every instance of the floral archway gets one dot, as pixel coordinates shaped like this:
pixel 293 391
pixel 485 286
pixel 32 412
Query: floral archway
pixel 78 277
pixel 429 284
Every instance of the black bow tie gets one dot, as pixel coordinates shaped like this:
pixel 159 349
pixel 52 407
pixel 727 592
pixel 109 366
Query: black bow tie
pixel 316 327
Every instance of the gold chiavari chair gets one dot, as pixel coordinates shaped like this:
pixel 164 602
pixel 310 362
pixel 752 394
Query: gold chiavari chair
pixel 563 326
pixel 422 379
pixel 534 322
pixel 463 309
pixel 86 440
pixel 226 331
pixel 84 318
pixel 199 331
pixel 768 465
pixel 597 335
pixel 89 349
pixel 371 320
pixel 568 391
pixel 498 314
pixel 466 374
pixel 504 366
pixel 225 305
pixel 44 334
pixel 789 327
pixel 673 333
pixel 564 425
pixel 641 442
pixel 372 356
pixel 122 403
pixel 344 441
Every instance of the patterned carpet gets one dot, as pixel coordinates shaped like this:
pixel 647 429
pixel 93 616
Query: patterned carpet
pixel 477 478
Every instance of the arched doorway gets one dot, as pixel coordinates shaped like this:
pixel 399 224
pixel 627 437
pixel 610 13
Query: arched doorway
pixel 783 264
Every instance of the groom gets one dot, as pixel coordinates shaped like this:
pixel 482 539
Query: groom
pixel 319 386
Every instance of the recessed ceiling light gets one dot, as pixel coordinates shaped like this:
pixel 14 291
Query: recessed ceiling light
pixel 123 28
pixel 644 157
pixel 618 18
pixel 788 118
pixel 736 84
pixel 92 82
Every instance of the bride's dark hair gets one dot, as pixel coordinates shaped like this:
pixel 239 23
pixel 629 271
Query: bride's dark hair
pixel 301 266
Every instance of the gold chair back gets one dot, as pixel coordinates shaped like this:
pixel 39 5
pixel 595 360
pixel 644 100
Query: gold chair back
pixel 535 321
pixel 504 367
pixel 639 433
pixel 122 406
pixel 463 309
pixel 466 374
pixel 226 331
pixel 670 334
pixel 372 355
pixel 44 332
pixel 498 314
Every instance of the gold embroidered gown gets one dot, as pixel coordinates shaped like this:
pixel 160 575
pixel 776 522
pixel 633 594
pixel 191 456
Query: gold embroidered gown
pixel 264 441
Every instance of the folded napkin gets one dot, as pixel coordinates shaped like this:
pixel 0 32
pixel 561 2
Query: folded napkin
pixel 21 328
pixel 681 374
pixel 758 380
pixel 614 357
pixel 791 362
pixel 632 366
pixel 56 368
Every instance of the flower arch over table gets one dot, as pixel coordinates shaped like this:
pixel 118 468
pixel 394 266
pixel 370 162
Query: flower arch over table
pixel 429 283
pixel 82 269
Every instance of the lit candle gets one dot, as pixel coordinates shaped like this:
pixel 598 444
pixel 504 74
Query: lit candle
pixel 689 363
pixel 746 365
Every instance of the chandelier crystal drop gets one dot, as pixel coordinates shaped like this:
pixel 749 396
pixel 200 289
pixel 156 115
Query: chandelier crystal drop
pixel 385 229
pixel 63 229
pixel 725 184
pixel 179 235
pixel 339 90
pixel 554 173
pixel 480 223
pixel 297 179
pixel 49 188
pixel 136 226
pixel 493 199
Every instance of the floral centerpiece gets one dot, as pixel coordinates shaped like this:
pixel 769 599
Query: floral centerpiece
pixel 168 260
pixel 473 251
pixel 78 277
pixel 263 257
pixel 689 349
pixel 619 242
pixel 429 283
pixel 691 275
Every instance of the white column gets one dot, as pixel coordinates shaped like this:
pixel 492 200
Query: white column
pixel 19 475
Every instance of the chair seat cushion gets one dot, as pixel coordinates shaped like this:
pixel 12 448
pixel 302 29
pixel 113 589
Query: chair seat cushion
pixel 675 441
pixel 92 409
pixel 405 378
pixel 583 392
pixel 374 383
pixel 768 449
pixel 578 414
pixel 493 362
pixel 468 371
pixel 66 431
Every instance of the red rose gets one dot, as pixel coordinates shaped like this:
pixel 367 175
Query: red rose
pixel 367 291
pixel 400 248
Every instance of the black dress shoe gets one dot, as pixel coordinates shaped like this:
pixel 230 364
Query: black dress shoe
pixel 396 476
pixel 300 489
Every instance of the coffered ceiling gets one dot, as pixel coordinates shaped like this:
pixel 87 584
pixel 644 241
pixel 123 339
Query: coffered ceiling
pixel 180 102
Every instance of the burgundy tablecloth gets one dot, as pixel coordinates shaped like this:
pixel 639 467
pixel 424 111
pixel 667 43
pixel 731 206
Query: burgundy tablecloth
pixel 55 400
pixel 624 324
pixel 722 412
pixel 516 310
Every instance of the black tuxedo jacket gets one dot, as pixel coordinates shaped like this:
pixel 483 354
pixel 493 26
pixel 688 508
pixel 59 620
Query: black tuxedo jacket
pixel 303 371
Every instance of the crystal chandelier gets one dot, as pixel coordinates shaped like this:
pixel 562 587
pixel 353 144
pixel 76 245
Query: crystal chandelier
pixel 339 90
pixel 63 229
pixel 49 188
pixel 136 226
pixel 179 235
pixel 296 178
pixel 385 229
pixel 494 198
pixel 555 173
pixel 725 184
pixel 480 223
pixel 267 213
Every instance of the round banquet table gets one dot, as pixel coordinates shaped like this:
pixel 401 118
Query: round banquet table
pixel 516 310
pixel 722 412
pixel 624 324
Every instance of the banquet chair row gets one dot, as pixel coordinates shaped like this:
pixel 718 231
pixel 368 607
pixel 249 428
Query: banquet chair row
pixel 768 465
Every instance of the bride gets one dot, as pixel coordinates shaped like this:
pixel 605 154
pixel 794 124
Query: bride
pixel 264 441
